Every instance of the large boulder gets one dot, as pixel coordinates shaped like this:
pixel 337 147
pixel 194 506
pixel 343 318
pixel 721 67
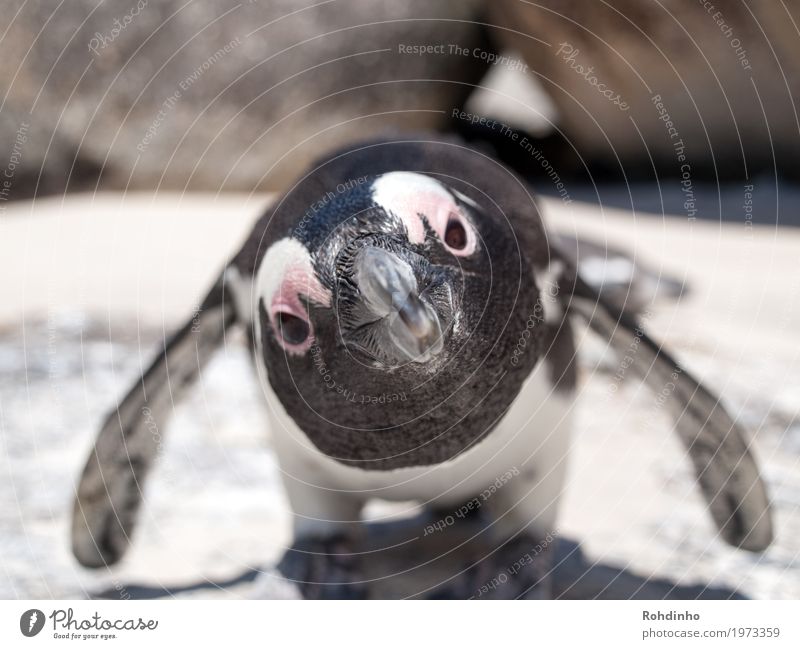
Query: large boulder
pixel 217 94
pixel 677 82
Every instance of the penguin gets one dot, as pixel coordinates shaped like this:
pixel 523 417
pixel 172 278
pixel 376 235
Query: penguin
pixel 411 323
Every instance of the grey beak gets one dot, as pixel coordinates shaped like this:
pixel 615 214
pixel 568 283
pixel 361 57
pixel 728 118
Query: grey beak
pixel 390 291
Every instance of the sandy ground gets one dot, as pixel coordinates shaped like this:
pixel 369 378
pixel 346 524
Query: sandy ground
pixel 93 282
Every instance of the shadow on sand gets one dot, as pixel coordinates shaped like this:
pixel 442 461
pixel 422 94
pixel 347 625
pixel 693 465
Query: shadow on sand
pixel 394 570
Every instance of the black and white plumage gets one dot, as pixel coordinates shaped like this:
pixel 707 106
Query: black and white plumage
pixel 411 325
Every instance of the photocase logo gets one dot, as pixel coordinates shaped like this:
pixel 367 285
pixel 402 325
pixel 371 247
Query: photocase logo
pixel 31 622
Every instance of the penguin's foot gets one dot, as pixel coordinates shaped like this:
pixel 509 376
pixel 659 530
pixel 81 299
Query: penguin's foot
pixel 520 569
pixel 324 568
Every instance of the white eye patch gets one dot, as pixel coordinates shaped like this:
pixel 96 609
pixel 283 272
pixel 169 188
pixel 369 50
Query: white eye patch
pixel 286 273
pixel 412 197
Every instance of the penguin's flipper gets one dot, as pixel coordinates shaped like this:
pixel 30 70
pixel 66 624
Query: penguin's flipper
pixel 725 467
pixel 620 279
pixel 110 489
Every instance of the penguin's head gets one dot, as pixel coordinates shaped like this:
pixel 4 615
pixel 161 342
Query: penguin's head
pixel 386 319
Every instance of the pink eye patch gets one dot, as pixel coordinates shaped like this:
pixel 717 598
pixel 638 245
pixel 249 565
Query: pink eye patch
pixel 412 197
pixel 288 314
pixel 287 274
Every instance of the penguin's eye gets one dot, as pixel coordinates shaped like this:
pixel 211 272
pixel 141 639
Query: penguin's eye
pixel 293 329
pixel 289 288
pixel 455 236
pixel 456 233
pixel 292 326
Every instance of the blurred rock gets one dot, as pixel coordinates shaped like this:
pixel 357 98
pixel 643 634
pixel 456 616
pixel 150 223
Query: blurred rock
pixel 727 78
pixel 217 95
pixel 243 95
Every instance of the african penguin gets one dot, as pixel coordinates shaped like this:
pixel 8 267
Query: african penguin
pixel 411 325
